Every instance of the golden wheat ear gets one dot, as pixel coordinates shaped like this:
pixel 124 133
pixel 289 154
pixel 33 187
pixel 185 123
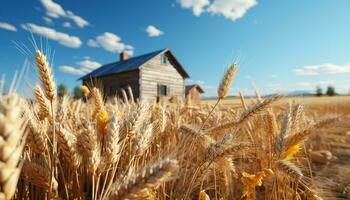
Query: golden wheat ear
pixel 39 175
pixel 113 142
pixel 68 144
pixel 226 81
pixel 245 116
pixel 12 128
pixel 98 100
pixel 46 76
pixel 289 169
pixel 151 177
pixel 298 137
pixel 43 103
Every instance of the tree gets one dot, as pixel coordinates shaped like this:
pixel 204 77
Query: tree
pixel 62 90
pixel 77 94
pixel 318 91
pixel 330 91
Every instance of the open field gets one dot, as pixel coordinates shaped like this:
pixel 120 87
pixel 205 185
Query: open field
pixel 328 173
pixel 57 147
pixel 308 100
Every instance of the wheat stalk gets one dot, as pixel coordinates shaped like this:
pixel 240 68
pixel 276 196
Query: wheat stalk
pixel 98 100
pixel 151 177
pixel 39 175
pixel 289 169
pixel 244 105
pixel 11 146
pixel 91 148
pixel 246 115
pixel 113 142
pixel 37 135
pixel 226 81
pixel 131 95
pixel 67 143
pixel 46 77
pixel 296 138
pixel 43 103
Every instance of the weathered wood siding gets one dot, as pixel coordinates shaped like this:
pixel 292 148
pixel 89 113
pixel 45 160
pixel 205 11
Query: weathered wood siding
pixel 112 85
pixel 154 73
pixel 193 97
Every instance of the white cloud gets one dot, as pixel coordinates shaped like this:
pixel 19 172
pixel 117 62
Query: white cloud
pixel 190 81
pixel 110 42
pixel 84 67
pixel 92 43
pixel 66 25
pixel 153 31
pixel 48 20
pixel 88 64
pixel 197 6
pixel 8 26
pixel 62 38
pixel 78 20
pixel 230 9
pixel 71 70
pixel 55 10
pixel 326 68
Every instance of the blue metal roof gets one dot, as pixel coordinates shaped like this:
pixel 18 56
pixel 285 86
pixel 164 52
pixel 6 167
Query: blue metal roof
pixel 121 66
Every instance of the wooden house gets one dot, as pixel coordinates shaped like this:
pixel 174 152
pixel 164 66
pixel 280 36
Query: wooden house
pixel 193 94
pixel 152 77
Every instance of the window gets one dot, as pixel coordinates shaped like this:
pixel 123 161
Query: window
pixel 164 60
pixel 162 90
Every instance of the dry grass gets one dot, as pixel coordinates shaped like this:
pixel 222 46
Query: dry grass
pixel 99 148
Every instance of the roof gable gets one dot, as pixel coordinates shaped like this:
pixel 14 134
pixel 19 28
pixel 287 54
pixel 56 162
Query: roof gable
pixel 133 63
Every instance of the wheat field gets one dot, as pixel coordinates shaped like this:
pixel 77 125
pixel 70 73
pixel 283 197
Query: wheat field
pixel 94 148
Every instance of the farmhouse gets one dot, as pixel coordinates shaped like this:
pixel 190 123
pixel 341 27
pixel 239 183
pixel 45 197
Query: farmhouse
pixel 153 76
pixel 193 94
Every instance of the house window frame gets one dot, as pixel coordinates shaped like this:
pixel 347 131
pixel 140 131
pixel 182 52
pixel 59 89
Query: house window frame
pixel 160 91
pixel 164 60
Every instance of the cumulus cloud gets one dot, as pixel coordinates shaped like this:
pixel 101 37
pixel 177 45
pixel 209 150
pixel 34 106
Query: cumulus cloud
pixel 197 6
pixel 62 38
pixel 85 66
pixel 230 9
pixel 326 68
pixel 110 42
pixel 153 31
pixel 55 10
pixel 92 43
pixel 71 70
pixel 88 65
pixel 66 25
pixel 8 26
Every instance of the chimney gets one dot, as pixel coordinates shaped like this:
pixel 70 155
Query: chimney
pixel 123 56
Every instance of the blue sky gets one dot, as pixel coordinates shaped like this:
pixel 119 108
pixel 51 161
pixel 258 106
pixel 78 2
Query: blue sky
pixel 279 45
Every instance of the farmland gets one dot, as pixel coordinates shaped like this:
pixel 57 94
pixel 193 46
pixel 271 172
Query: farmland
pixel 97 148
pixel 328 175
